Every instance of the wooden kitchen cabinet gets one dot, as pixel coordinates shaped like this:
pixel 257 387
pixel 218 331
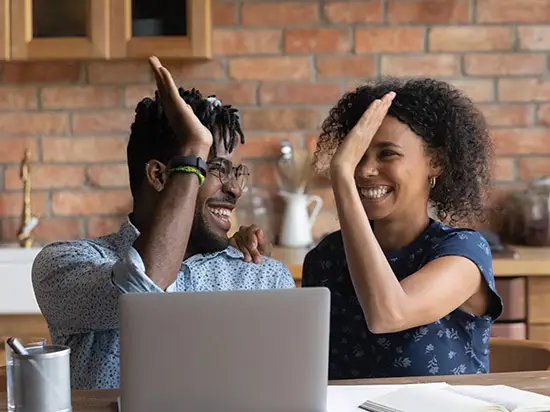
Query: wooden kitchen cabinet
pixel 104 29
pixel 165 28
pixel 61 29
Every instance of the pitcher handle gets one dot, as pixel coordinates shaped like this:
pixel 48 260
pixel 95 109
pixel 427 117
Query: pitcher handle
pixel 318 205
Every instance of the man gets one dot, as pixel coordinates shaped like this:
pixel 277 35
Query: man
pixel 175 240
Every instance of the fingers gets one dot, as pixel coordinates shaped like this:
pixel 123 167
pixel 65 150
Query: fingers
pixel 264 245
pixel 249 243
pixel 377 110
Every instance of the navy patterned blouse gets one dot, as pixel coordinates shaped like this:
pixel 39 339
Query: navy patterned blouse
pixel 455 344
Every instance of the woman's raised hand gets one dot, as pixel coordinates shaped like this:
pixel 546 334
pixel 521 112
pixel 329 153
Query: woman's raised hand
pixel 355 144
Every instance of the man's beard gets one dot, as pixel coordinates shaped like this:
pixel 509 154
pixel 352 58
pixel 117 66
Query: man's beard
pixel 203 239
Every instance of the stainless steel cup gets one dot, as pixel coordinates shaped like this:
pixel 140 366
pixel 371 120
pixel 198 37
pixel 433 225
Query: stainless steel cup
pixel 42 379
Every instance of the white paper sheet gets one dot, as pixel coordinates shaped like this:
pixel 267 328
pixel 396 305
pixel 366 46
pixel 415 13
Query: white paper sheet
pixel 343 398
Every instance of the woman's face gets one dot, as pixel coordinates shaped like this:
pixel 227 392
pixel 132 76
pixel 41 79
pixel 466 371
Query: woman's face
pixel 393 176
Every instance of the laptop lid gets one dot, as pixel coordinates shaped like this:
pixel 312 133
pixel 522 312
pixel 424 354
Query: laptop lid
pixel 245 351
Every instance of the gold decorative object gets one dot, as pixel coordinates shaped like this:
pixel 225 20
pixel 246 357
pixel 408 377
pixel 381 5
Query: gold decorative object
pixel 28 221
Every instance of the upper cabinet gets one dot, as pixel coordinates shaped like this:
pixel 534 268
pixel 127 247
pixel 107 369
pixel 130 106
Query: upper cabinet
pixel 104 29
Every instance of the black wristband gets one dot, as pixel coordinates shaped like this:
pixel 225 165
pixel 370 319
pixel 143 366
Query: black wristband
pixel 193 161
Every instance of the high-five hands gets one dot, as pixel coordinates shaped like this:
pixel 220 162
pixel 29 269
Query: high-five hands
pixel 355 144
pixel 195 138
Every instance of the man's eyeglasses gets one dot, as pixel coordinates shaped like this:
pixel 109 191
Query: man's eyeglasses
pixel 224 170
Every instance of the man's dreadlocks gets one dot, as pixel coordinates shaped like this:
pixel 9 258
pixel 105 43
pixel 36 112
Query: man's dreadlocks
pixel 152 137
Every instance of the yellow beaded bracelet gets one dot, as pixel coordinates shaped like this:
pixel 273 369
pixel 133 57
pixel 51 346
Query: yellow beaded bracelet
pixel 189 169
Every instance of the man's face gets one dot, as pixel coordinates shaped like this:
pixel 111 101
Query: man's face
pixel 216 202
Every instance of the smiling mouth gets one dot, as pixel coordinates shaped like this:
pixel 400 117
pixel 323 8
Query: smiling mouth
pixel 376 193
pixel 221 215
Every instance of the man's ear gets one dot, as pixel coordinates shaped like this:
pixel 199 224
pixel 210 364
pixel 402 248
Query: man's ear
pixel 156 174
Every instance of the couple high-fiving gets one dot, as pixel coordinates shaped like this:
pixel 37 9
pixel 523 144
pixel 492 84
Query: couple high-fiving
pixel 412 294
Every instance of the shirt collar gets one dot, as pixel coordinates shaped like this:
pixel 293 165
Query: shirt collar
pixel 130 233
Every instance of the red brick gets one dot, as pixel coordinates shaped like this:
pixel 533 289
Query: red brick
pixel 428 11
pixel 108 175
pixel 76 97
pixel 188 70
pixel 41 72
pixel 437 65
pixel 523 90
pixel 346 12
pixel 262 174
pixel 479 90
pixel 11 204
pixel 299 93
pixel 504 169
pixel 470 38
pixel 521 141
pixel 507 115
pixel 119 72
pixel 496 64
pixel 265 145
pixel 533 167
pixel 34 123
pixel 352 66
pixel 223 14
pixel 18 98
pixel 543 114
pixel 46 177
pixel 241 42
pixel 389 39
pixel 83 149
pixel 534 37
pixel 48 229
pixel 104 225
pixel 93 202
pixel 521 11
pixel 281 119
pixel 269 68
pixel 242 93
pixel 279 13
pixel 12 149
pixel 320 40
pixel 105 121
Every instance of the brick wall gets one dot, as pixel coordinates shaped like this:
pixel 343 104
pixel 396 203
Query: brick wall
pixel 284 64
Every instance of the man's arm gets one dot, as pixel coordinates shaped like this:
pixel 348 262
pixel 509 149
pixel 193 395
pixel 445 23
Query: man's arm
pixel 163 244
pixel 73 286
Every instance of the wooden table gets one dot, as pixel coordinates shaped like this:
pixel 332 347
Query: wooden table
pixel 105 400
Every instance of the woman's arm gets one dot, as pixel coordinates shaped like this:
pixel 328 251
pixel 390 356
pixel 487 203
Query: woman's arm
pixel 438 288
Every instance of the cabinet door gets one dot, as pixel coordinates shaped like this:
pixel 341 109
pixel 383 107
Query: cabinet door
pixel 4 29
pixel 164 28
pixel 59 29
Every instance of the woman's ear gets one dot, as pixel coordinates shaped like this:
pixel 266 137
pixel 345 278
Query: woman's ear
pixel 435 165
pixel 156 174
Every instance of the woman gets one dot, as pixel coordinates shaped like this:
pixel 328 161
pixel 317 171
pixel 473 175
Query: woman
pixel 411 296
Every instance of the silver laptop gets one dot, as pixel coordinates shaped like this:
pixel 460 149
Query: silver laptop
pixel 246 351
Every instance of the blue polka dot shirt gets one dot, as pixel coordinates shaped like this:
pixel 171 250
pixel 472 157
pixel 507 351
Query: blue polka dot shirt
pixel 77 285
pixel 456 344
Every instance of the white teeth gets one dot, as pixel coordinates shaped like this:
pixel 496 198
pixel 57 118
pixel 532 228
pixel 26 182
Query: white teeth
pixel 375 192
pixel 219 211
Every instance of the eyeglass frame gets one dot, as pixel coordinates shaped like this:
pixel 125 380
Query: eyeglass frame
pixel 232 172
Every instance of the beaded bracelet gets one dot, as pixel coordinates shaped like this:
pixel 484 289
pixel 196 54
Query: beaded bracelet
pixel 189 169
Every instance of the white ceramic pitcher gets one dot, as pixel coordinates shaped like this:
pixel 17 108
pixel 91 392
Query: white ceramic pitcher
pixel 297 222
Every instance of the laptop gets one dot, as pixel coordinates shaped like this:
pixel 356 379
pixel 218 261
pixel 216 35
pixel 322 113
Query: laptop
pixel 245 351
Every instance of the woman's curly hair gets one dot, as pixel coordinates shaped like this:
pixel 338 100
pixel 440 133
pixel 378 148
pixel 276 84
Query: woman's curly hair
pixel 447 122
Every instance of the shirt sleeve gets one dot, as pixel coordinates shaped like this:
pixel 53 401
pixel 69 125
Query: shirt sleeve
pixel 284 278
pixel 77 286
pixel 473 246
pixel 309 268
